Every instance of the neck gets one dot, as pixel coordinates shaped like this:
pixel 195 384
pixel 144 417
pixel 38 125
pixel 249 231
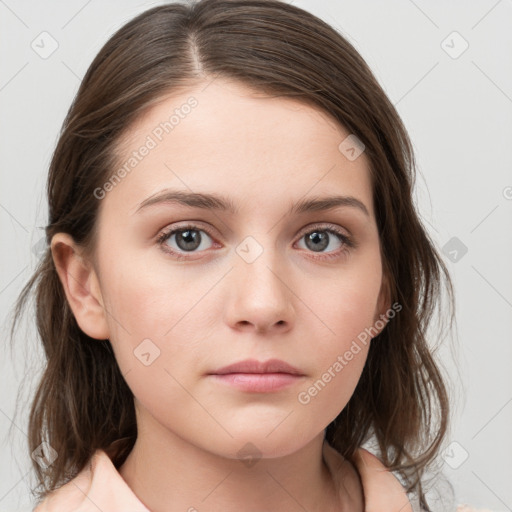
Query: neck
pixel 169 474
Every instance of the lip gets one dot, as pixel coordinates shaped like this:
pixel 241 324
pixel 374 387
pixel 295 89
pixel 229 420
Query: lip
pixel 254 366
pixel 258 382
pixel 258 377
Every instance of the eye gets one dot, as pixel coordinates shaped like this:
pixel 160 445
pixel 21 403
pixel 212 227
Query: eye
pixel 193 239
pixel 183 239
pixel 322 237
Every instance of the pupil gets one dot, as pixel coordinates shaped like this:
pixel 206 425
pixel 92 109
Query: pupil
pixel 319 240
pixel 188 239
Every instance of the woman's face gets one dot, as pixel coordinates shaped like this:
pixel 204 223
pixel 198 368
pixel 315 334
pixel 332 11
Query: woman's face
pixel 254 274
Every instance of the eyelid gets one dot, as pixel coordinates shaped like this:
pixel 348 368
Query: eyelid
pixel 324 226
pixel 190 224
pixel 310 227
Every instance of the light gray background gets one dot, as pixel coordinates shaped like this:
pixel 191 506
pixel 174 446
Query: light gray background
pixel 458 110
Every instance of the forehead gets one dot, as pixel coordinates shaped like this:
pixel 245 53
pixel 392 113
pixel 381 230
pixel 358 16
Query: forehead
pixel 224 136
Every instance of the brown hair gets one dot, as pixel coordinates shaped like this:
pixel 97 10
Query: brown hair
pixel 82 401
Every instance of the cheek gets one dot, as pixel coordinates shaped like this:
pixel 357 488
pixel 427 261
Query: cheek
pixel 326 395
pixel 145 301
pixel 153 337
pixel 339 357
pixel 347 308
pixel 156 319
pixel 347 303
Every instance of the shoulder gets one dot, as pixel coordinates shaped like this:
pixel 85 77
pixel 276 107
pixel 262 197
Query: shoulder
pixel 99 486
pixel 71 494
pixel 382 491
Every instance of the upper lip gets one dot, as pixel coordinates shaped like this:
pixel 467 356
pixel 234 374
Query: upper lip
pixel 254 366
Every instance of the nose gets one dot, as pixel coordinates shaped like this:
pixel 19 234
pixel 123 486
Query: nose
pixel 260 295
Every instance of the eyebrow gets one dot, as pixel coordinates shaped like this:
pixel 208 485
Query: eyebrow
pixel 222 203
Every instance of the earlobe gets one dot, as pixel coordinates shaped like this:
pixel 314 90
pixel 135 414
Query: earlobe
pixel 81 286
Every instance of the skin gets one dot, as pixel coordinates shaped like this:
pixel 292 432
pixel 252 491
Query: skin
pixel 215 308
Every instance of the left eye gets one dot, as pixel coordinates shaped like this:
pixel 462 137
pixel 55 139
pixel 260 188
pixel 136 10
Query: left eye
pixel 318 239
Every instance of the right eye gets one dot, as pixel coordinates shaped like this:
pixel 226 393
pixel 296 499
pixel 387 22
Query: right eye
pixel 187 239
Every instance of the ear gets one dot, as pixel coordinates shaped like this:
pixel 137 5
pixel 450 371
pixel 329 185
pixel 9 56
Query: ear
pixel 81 286
pixel 383 304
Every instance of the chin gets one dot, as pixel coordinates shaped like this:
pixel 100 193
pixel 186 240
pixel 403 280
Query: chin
pixel 250 446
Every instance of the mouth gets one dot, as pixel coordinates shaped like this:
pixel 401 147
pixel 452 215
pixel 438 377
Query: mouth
pixel 258 377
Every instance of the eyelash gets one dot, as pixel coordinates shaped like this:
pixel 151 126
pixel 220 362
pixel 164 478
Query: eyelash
pixel 348 242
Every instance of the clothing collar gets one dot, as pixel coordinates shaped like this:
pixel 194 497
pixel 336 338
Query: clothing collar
pixel 381 489
pixel 100 487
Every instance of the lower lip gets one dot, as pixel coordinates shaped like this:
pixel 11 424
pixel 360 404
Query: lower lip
pixel 258 382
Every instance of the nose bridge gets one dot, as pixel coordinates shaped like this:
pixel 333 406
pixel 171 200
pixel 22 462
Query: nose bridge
pixel 260 260
pixel 260 293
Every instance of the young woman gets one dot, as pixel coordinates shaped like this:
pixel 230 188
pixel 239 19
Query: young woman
pixel 237 287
